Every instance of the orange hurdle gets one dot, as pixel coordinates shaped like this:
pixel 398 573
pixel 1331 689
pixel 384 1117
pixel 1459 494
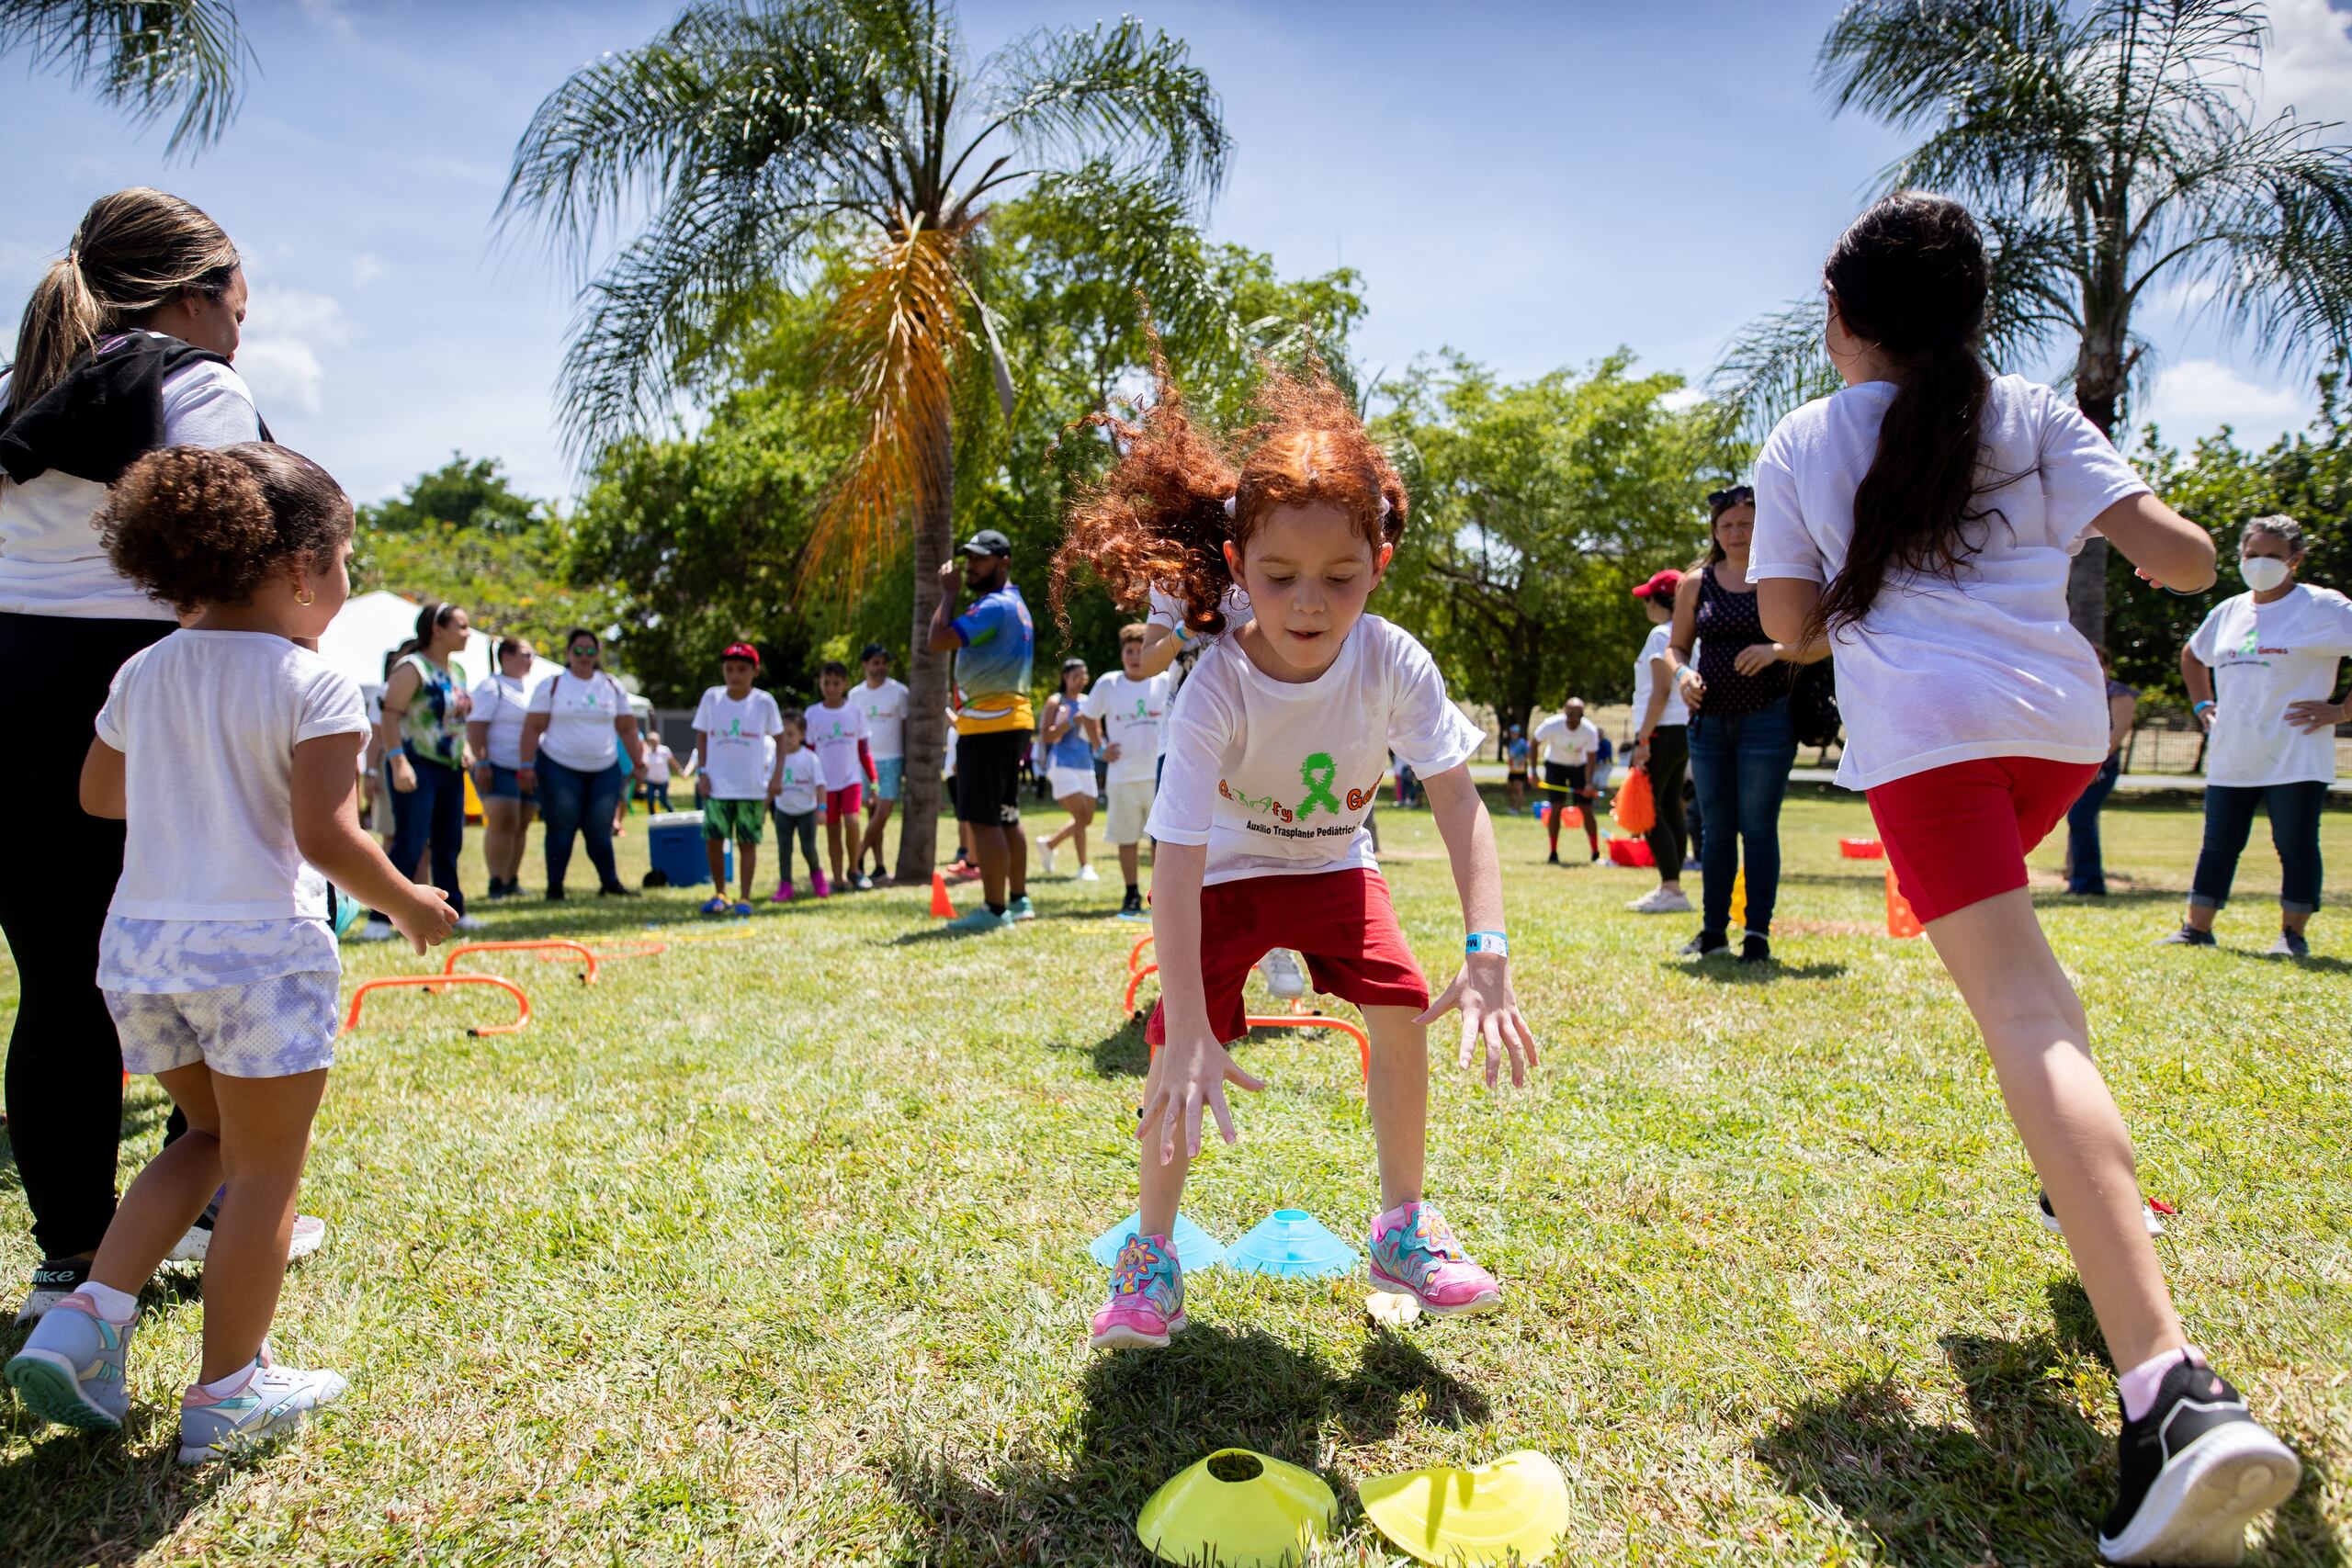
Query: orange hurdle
pixel 433 982
pixel 1134 953
pixel 627 947
pixel 1300 1016
pixel 587 977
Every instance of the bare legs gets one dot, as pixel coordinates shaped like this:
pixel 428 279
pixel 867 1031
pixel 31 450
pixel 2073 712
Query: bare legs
pixel 878 818
pixel 2040 1042
pixel 1398 1096
pixel 1003 855
pixel 1082 813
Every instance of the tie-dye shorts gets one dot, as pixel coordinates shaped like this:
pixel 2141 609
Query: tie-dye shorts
pixel 269 1029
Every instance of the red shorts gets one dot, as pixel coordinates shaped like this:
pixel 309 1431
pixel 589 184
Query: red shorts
pixel 1959 834
pixel 1340 920
pixel 841 803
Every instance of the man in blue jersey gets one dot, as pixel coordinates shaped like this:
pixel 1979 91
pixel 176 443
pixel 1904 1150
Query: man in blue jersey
pixel 995 644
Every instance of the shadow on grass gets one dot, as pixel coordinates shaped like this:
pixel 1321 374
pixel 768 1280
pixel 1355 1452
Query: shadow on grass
pixel 2027 1479
pixel 2319 965
pixel 1145 1416
pixel 99 1497
pixel 1731 972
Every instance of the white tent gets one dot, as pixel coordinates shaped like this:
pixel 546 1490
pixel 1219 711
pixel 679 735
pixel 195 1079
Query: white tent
pixel 370 626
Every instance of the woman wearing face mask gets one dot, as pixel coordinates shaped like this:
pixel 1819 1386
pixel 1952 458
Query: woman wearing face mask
pixel 2261 675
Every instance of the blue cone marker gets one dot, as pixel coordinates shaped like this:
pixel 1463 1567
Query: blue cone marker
pixel 1290 1244
pixel 1195 1248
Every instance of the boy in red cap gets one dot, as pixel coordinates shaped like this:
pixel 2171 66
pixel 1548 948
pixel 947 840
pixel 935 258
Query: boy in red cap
pixel 733 727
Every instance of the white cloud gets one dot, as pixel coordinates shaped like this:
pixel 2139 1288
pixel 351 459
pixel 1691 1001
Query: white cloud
pixel 2196 397
pixel 2308 63
pixel 1684 398
pixel 365 270
pixel 285 329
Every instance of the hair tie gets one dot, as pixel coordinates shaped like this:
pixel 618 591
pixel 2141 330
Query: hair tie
pixel 1384 506
pixel 1228 505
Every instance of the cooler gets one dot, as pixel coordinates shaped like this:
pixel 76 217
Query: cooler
pixel 674 842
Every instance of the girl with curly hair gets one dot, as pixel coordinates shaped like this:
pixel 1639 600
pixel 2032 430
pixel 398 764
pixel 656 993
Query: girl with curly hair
pixel 229 749
pixel 1276 747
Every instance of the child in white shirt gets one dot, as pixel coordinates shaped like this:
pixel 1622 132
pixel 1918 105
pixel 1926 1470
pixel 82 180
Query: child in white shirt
pixel 796 791
pixel 1275 749
pixel 837 729
pixel 733 724
pixel 230 748
pixel 1975 714
pixel 1126 715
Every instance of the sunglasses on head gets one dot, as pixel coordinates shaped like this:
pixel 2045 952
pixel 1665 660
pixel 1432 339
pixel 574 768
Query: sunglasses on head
pixel 1729 496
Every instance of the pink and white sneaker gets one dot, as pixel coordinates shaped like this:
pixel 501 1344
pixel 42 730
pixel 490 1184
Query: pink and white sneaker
pixel 783 894
pixel 1146 1302
pixel 1414 1254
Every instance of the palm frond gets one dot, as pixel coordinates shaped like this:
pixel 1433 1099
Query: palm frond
pixel 889 342
pixel 149 56
pixel 1777 363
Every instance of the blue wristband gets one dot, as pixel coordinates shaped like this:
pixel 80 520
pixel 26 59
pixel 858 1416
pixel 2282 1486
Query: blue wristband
pixel 1488 942
pixel 2196 708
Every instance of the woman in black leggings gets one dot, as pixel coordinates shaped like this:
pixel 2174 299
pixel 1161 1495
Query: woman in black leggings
pixel 126 339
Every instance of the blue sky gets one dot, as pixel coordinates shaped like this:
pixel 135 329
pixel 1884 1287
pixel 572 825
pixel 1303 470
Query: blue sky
pixel 1533 184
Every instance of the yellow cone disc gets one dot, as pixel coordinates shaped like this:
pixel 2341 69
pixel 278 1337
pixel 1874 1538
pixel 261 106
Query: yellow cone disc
pixel 1247 1511
pixel 1465 1519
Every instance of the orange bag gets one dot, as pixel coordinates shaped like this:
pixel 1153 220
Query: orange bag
pixel 1637 810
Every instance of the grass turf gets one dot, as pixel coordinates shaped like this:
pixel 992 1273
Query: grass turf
pixel 772 1249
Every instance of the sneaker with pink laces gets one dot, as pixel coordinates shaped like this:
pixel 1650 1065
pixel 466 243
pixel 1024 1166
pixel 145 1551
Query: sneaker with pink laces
pixel 1146 1302
pixel 1414 1254
pixel 783 894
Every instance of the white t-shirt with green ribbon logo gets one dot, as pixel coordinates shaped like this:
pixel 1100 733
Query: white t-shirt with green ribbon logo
pixel 2264 658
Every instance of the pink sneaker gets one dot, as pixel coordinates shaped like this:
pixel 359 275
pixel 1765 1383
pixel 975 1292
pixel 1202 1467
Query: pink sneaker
pixel 816 880
pixel 1414 1253
pixel 1147 1300
pixel 783 894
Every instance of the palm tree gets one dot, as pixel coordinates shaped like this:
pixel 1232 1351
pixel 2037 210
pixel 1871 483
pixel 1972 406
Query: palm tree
pixel 2109 149
pixel 754 132
pixel 148 55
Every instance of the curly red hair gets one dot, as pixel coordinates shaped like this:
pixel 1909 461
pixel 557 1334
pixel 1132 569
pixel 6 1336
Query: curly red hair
pixel 1157 518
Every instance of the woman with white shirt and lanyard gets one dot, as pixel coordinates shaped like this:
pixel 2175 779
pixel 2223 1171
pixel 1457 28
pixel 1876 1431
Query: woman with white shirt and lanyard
pixel 579 721
pixel 2261 673
pixel 494 730
pixel 125 346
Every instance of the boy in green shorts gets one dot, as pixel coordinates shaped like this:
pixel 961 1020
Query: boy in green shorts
pixel 734 726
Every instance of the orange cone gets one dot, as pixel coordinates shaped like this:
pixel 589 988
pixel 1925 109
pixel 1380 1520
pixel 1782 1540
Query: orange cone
pixel 940 905
pixel 1900 921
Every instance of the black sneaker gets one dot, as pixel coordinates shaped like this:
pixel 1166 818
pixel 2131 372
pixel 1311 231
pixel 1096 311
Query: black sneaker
pixel 1131 907
pixel 2195 1471
pixel 2187 936
pixel 1706 944
pixel 1552 858
pixel 2290 945
pixel 554 895
pixel 617 890
pixel 54 1279
pixel 1754 949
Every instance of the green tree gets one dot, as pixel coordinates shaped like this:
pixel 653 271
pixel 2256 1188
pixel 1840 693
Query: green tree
pixel 1537 507
pixel 2222 486
pixel 2109 149
pixel 148 56
pixel 471 493
pixel 747 133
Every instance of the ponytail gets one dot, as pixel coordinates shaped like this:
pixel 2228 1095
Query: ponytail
pixel 133 253
pixel 1911 277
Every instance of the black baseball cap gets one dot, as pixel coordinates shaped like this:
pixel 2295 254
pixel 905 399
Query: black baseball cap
pixel 874 650
pixel 987 542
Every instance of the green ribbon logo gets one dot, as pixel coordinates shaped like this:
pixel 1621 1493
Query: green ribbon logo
pixel 1317 773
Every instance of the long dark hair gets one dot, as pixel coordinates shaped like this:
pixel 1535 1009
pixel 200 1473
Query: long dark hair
pixel 432 613
pixel 1911 277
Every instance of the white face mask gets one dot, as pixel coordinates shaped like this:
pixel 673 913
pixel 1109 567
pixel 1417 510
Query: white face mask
pixel 2262 573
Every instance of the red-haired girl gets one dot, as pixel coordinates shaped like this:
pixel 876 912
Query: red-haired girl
pixel 1276 747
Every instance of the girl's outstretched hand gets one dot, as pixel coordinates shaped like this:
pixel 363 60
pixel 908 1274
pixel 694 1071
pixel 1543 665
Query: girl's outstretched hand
pixel 1190 1074
pixel 1489 1012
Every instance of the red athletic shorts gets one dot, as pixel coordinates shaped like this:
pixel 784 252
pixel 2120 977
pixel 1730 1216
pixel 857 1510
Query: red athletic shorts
pixel 1959 834
pixel 1340 920
pixel 841 803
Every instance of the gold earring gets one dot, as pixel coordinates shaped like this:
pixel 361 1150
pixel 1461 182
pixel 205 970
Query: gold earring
pixel 304 596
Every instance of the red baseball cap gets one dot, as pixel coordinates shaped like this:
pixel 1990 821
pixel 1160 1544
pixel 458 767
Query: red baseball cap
pixel 741 650
pixel 1664 583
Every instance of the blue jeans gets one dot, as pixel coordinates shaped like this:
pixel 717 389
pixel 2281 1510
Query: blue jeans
pixel 573 802
pixel 2085 871
pixel 1741 764
pixel 2293 809
pixel 434 809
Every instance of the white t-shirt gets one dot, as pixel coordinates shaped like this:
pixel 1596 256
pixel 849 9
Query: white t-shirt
pixel 500 701
pixel 1133 716
pixel 2263 658
pixel 1569 748
pixel 658 760
pixel 213 889
pixel 581 716
pixel 1166 612
pixel 51 560
pixel 835 732
pixel 1675 710
pixel 1276 778
pixel 1941 672
pixel 801 782
pixel 735 757
pixel 885 707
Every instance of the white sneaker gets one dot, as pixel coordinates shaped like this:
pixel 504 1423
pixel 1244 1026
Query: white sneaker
pixel 1662 900
pixel 1284 976
pixel 470 922
pixel 2049 1217
pixel 1044 856
pixel 273 1400
pixel 375 931
pixel 310 1232
pixel 1088 873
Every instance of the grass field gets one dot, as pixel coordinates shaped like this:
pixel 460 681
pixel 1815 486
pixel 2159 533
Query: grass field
pixel 772 1249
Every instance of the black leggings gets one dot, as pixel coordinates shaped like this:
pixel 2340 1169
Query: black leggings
pixel 65 1080
pixel 1670 757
